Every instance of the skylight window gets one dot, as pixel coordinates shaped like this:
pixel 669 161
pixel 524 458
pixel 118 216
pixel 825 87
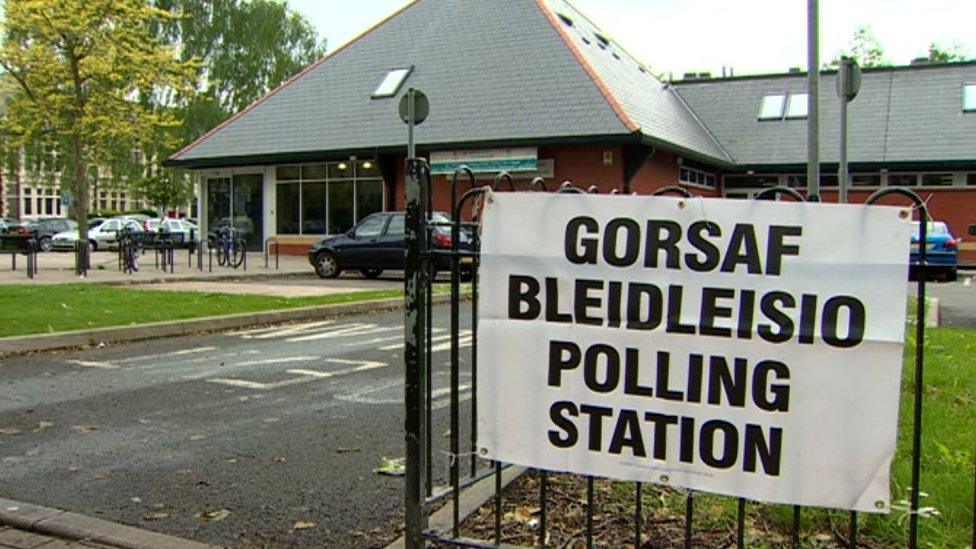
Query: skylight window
pixel 772 107
pixel 602 40
pixel 565 19
pixel 391 83
pixel 797 105
pixel 969 97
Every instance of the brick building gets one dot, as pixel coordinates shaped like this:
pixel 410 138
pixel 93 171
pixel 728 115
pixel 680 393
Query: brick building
pixel 534 87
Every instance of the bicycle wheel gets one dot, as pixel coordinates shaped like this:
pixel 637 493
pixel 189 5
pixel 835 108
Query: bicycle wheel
pixel 222 253
pixel 237 253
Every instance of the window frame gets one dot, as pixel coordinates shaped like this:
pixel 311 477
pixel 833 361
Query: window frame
pixel 762 106
pixel 383 90
pixel 789 104
pixel 328 180
pixel 969 92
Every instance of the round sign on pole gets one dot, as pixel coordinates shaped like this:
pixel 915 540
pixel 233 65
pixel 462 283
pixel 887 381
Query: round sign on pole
pixel 420 110
pixel 848 79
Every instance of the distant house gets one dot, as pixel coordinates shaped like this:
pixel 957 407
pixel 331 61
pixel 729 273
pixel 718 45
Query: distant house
pixel 534 87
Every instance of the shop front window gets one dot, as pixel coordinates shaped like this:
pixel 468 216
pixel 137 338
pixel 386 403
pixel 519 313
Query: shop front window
pixel 328 198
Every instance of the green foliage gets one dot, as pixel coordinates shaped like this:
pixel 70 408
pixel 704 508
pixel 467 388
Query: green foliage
pixel 865 48
pixel 946 54
pixel 166 189
pixel 88 72
pixel 247 49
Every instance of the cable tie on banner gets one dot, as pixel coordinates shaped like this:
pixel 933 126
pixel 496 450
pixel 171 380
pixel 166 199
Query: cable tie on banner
pixel 454 457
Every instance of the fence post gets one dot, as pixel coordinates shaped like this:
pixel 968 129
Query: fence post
pixel 415 281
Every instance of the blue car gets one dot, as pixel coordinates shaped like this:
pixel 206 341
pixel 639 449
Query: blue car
pixel 941 252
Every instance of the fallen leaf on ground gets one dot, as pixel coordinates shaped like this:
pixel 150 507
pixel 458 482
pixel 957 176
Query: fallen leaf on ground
pixel 213 516
pixel 83 429
pixel 100 475
pixel 156 516
pixel 279 459
pixel 9 431
pixel 32 453
pixel 304 525
pixel 41 425
pixel 391 467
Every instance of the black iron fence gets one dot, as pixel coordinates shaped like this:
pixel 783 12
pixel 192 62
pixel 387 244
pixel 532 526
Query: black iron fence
pixel 421 495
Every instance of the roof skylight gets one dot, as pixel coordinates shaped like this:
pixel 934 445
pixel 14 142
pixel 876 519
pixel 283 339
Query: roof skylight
pixel 969 97
pixel 797 105
pixel 391 83
pixel 772 107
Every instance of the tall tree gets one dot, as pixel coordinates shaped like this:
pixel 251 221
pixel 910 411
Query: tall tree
pixel 945 54
pixel 247 48
pixel 82 67
pixel 865 48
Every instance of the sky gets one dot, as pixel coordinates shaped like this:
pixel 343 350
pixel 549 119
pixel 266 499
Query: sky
pixel 750 36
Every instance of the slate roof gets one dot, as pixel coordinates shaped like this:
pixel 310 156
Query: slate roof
pixel 507 72
pixel 901 115
pixel 495 72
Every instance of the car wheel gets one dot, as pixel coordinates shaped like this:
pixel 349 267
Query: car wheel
pixel 952 275
pixel 326 265
pixel 45 244
pixel 467 276
pixel 371 273
pixel 93 245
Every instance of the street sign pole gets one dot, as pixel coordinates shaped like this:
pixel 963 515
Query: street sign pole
pixel 413 111
pixel 813 101
pixel 848 84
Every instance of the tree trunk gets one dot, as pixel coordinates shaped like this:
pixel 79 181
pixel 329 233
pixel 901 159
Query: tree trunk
pixel 79 169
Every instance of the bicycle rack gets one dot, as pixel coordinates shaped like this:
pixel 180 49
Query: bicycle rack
pixel 267 250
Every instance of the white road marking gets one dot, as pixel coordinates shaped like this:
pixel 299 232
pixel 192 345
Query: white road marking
pixel 388 339
pixel 464 340
pixel 306 375
pixel 174 353
pixel 269 333
pixel 349 331
pixel 282 360
pixel 94 364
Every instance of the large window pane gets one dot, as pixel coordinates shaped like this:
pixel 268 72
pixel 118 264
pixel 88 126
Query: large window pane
pixel 367 168
pixel 313 208
pixel 341 215
pixel 248 197
pixel 288 221
pixel 369 197
pixel 341 170
pixel 287 173
pixel 313 171
pixel 771 107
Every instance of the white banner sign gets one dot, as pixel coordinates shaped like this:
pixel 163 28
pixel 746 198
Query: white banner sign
pixel 745 348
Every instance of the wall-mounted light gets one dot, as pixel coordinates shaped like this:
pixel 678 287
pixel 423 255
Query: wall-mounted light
pixel 367 165
pixel 343 166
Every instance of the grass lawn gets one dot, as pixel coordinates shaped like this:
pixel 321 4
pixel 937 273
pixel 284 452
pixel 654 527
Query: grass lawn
pixel 57 308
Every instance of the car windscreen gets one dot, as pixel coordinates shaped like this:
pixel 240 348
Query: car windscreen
pixel 934 228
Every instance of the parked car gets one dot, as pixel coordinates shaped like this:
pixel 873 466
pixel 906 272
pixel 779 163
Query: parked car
pixel 941 251
pixel 378 243
pixel 8 224
pixel 102 234
pixel 43 230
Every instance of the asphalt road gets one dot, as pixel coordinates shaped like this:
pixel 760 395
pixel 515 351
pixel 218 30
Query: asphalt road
pixel 957 300
pixel 274 426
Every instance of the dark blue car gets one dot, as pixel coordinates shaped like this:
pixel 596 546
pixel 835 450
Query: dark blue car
pixel 378 243
pixel 941 251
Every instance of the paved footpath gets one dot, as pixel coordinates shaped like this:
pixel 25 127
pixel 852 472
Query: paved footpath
pixel 264 437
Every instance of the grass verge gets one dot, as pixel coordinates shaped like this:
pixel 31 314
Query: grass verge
pixel 58 308
pixel 947 482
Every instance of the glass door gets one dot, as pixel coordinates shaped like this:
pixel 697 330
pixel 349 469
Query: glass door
pixel 237 202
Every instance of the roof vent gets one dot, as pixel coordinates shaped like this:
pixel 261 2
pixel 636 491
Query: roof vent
pixel 615 56
pixel 795 70
pixel 642 68
pixel 565 18
pixel 704 75
pixel 690 76
pixel 921 61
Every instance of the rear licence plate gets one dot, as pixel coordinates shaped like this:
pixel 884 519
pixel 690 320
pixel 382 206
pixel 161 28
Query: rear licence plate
pixel 467 260
pixel 929 247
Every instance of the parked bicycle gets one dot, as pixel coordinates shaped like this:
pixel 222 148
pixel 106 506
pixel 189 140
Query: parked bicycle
pixel 130 249
pixel 230 248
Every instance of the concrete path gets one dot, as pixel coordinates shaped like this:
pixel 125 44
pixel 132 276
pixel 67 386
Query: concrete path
pixel 58 268
pixel 957 300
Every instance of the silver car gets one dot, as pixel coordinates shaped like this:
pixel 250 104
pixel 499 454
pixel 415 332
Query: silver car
pixel 103 236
